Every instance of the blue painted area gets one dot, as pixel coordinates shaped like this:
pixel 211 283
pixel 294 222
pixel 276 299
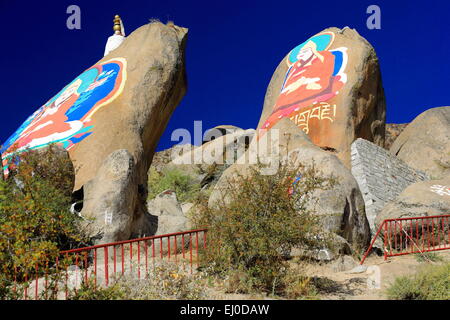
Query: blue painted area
pixel 76 140
pixel 285 78
pixel 88 98
pixel 338 59
pixel 297 179
pixel 102 77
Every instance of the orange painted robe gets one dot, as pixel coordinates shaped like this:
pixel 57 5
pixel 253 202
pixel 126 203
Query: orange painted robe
pixel 318 85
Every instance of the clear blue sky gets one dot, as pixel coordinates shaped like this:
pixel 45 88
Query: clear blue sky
pixel 233 48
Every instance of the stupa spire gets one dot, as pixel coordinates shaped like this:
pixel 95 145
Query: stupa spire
pixel 118 26
pixel 118 37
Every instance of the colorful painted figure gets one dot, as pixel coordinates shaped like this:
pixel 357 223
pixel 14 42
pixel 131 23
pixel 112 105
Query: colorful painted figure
pixel 294 184
pixel 66 119
pixel 315 75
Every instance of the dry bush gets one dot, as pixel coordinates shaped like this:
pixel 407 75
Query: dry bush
pixel 167 281
pixel 256 224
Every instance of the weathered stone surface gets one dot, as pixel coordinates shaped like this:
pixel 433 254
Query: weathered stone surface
pixel 330 86
pixel 426 198
pixel 186 207
pixel 381 176
pixel 343 263
pixel 206 162
pixel 393 130
pixel 218 131
pixel 123 102
pixel 341 208
pixel 163 157
pixel 111 204
pixel 169 213
pixel 167 216
pixel 425 143
pixel 340 248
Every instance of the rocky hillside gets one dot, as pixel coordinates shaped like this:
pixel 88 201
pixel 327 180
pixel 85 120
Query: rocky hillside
pixel 324 106
pixel 339 125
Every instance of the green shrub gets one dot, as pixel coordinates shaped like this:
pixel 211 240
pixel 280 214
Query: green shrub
pixel 259 219
pixel 35 220
pixel 173 179
pixel 88 291
pixel 298 286
pixel 431 283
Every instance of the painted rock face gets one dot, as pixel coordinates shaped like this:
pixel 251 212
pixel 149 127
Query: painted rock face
pixel 66 119
pixel 315 76
pixel 110 119
pixel 329 86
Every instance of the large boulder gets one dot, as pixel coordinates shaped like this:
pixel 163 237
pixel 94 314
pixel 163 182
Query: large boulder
pixel 425 143
pixel 111 196
pixel 123 102
pixel 325 94
pixel 421 199
pixel 330 87
pixel 169 214
pixel 341 207
pixel 168 217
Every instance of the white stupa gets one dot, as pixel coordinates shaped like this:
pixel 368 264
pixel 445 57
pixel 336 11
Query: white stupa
pixel 117 38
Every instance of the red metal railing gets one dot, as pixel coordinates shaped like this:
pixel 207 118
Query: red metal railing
pixel 99 263
pixel 413 235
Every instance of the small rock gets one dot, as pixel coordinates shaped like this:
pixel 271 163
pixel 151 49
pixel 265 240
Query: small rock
pixel 343 263
pixel 357 269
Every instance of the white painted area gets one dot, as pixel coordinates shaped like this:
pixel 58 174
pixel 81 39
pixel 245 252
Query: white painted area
pixel 440 190
pixel 75 126
pixel 113 42
pixel 108 217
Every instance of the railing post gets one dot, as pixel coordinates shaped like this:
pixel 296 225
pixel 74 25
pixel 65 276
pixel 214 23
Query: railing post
pixel 106 267
pixel 371 244
pixel 190 250
pixel 36 289
pixel 115 259
pixel 95 268
pixel 196 249
pixel 86 267
pixel 139 259
pixel 385 239
pixel 146 259
pixel 176 249
pixel 168 247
